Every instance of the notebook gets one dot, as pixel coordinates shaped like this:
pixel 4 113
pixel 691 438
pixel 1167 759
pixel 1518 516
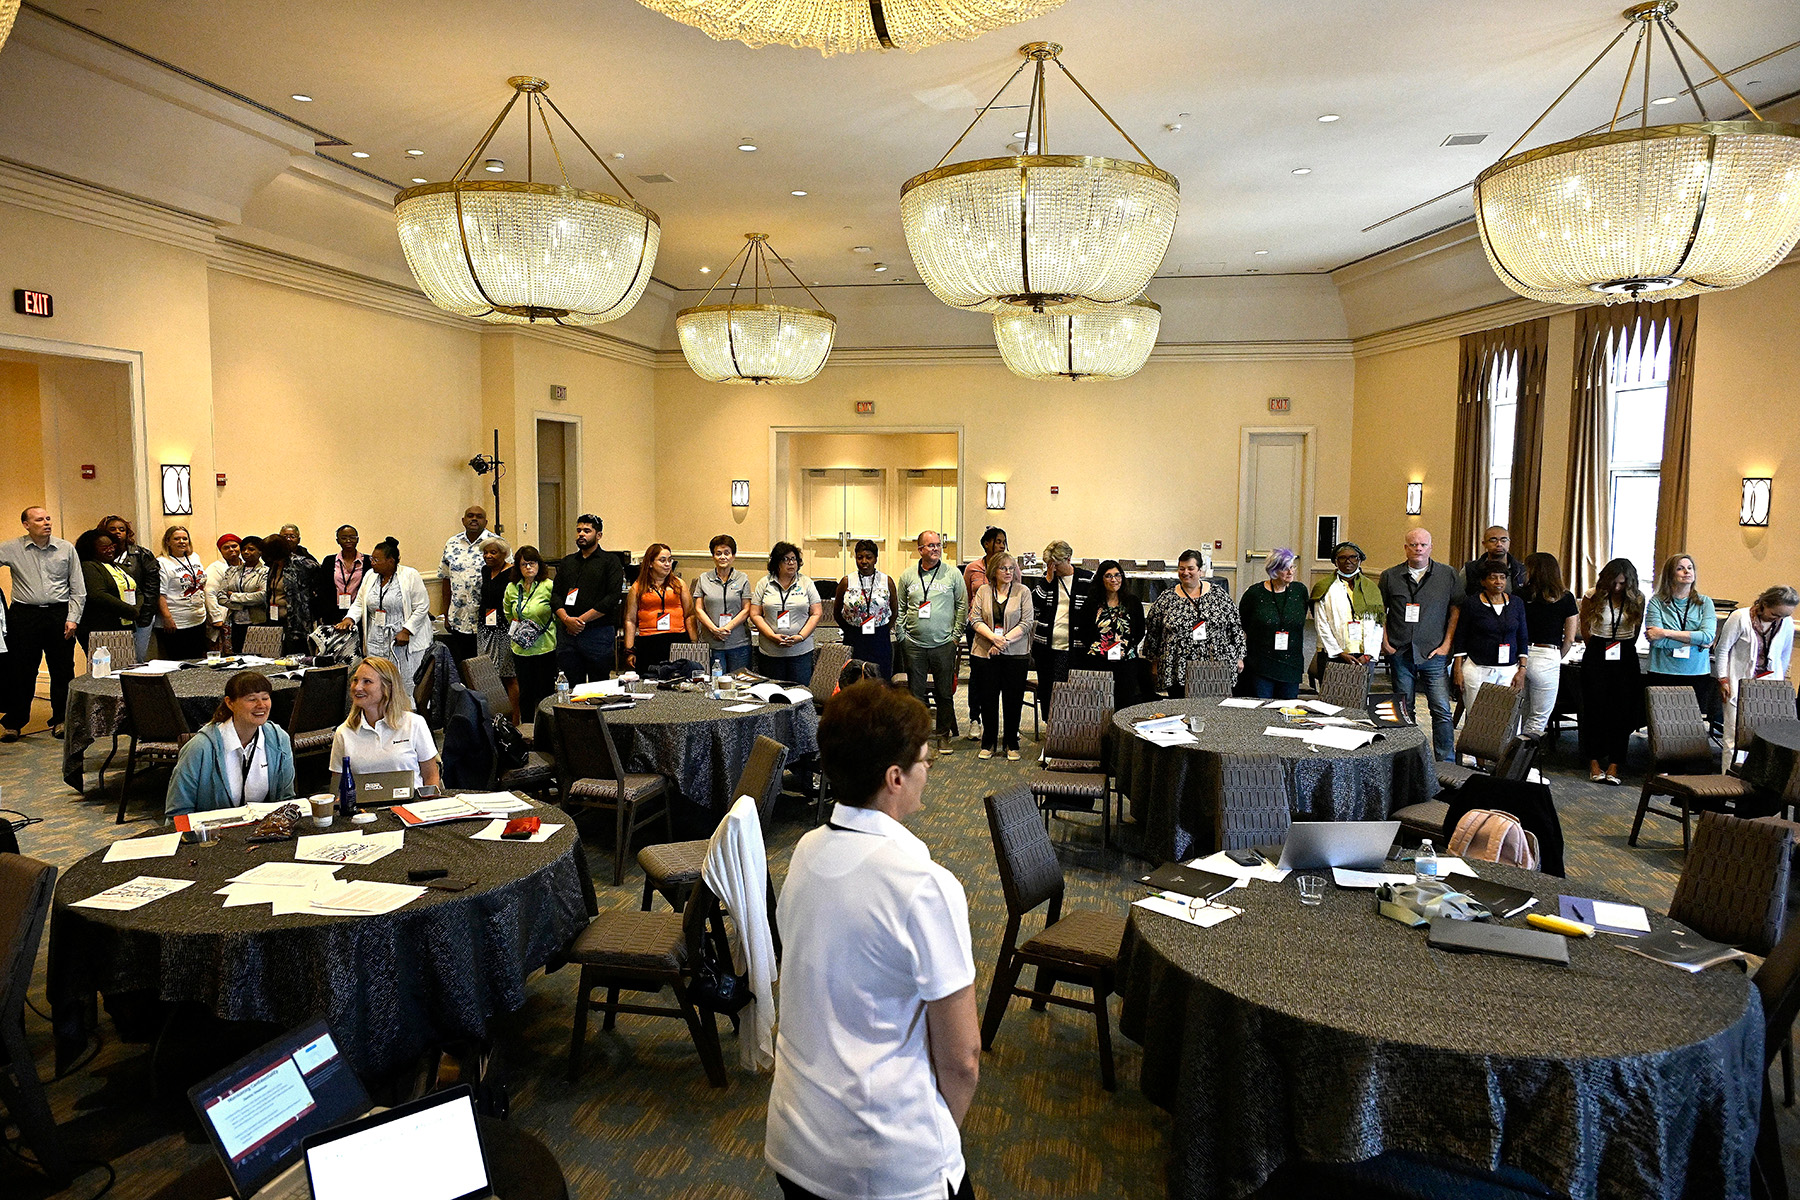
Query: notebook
pixel 1189 881
pixel 1501 900
pixel 1447 934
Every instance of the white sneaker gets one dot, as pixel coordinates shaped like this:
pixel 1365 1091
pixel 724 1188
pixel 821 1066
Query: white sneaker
pixel 974 734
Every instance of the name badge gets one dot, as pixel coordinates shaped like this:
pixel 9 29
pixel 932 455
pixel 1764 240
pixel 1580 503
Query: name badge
pixel 130 596
pixel 569 600
pixel 274 612
pixel 1199 634
pixel 1681 651
pixel 492 620
pixel 1612 652
pixel 662 622
pixel 1115 653
pixel 1281 639
pixel 924 610
pixel 1412 614
pixel 869 626
pixel 784 621
pixel 1505 654
pixel 344 601
pixel 377 620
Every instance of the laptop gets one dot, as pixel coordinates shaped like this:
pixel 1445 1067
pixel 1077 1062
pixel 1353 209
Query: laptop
pixel 258 1111
pixel 379 789
pixel 1498 939
pixel 429 1149
pixel 1189 881
pixel 1359 845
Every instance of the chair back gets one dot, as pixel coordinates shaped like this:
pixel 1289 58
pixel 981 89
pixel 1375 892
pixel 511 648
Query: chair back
pixel 1155 564
pixel 1345 685
pixel 151 707
pixel 761 777
pixel 1758 700
pixel 323 701
pixel 828 661
pixel 698 652
pixel 264 640
pixel 424 699
pixel 1253 802
pixel 121 645
pixel 1488 725
pixel 1678 732
pixel 1778 980
pixel 1206 678
pixel 25 888
pixel 481 675
pixel 1734 885
pixel 584 746
pixel 1079 711
pixel 1521 754
pixel 1029 870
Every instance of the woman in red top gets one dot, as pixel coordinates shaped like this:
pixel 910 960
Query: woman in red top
pixel 655 610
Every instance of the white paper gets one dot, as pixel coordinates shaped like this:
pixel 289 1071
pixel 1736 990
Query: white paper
pixel 1168 737
pixel 442 808
pixel 1219 863
pixel 769 691
pixel 601 687
pixel 1282 704
pixel 133 893
pixel 1205 917
pixel 494 802
pixel 239 894
pixel 1339 738
pixel 156 666
pixel 736 708
pixel 218 818
pixel 347 849
pixel 493 829
pixel 288 874
pixel 364 898
pixel 1455 866
pixel 1344 877
pixel 1319 706
pixel 1284 731
pixel 159 846
pixel 1621 916
pixel 1239 702
pixel 1160 724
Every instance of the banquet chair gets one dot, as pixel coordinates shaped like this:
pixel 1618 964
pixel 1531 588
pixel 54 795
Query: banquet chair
pixel 1487 730
pixel 118 642
pixel 1679 737
pixel 623 950
pixel 1081 947
pixel 1758 700
pixel 828 661
pixel 481 675
pixel 319 708
pixel 1431 818
pixel 1208 679
pixel 263 640
pixel 594 777
pixel 1155 564
pixel 1031 700
pixel 1345 685
pixel 25 890
pixel 698 652
pixel 1074 778
pixel 157 729
pixel 1777 982
pixel 1253 802
pixel 673 867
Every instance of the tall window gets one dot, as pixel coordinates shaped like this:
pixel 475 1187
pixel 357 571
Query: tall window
pixel 1639 398
pixel 1503 410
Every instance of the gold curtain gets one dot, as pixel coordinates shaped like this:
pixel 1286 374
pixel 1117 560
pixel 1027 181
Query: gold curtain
pixel 1480 352
pixel 1528 436
pixel 1672 499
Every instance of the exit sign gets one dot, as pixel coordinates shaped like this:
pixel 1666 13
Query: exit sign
pixel 32 304
pixel 1278 403
pixel 865 408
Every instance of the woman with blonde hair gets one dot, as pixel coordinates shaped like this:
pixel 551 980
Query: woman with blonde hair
pixel 1680 624
pixel 1756 642
pixel 1002 617
pixel 655 610
pixel 181 630
pixel 382 732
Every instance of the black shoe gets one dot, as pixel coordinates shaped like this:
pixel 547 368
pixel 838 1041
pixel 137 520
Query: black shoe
pixel 56 731
pixel 11 735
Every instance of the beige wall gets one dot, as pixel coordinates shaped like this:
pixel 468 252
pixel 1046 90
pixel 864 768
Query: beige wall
pixel 1405 432
pixel 82 402
pixel 22 466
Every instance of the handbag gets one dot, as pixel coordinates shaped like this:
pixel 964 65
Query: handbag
pixel 716 986
pixel 510 747
pixel 524 632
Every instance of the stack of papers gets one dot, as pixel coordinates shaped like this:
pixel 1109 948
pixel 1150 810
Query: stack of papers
pixel 441 808
pixel 1629 920
pixel 742 708
pixel 493 804
pixel 598 688
pixel 1318 706
pixel 1239 702
pixel 354 848
pixel 158 846
pixel 134 893
pixel 1165 731
pixel 364 898
pixel 304 888
pixel 1205 917
pixel 493 829
pixel 1220 864
pixel 775 693
pixel 1334 736
pixel 156 666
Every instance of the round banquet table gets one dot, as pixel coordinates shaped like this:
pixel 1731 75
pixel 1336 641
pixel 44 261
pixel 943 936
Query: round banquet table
pixel 1774 754
pixel 390 986
pixel 690 740
pixel 1174 790
pixel 96 707
pixel 1333 1034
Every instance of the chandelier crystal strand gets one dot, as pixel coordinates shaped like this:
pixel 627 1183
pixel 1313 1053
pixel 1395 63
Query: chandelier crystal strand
pixel 1055 233
pixel 519 252
pixel 1103 343
pixel 849 26
pixel 1663 210
pixel 9 11
pixel 755 343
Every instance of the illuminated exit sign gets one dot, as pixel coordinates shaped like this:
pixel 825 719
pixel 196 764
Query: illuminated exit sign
pixel 32 304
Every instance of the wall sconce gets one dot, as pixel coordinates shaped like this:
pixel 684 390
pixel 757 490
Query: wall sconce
pixel 1415 498
pixel 740 493
pixel 996 496
pixel 1755 510
pixel 177 490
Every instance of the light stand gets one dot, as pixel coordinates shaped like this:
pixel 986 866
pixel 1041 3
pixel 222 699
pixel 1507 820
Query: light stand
pixel 481 464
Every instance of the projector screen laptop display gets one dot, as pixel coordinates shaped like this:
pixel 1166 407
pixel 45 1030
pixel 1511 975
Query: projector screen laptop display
pixel 429 1149
pixel 259 1110
pixel 1315 845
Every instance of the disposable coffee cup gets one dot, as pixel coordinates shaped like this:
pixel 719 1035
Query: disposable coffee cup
pixel 323 809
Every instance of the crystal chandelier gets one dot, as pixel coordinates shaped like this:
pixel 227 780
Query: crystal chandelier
pixel 755 342
pixel 847 26
pixel 1052 233
pixel 518 252
pixel 9 9
pixel 1669 210
pixel 1108 342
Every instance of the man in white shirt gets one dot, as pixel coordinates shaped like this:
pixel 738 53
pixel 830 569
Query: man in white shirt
pixel 879 1047
pixel 461 569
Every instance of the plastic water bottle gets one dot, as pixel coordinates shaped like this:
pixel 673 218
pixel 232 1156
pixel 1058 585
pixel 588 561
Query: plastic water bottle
pixel 1425 863
pixel 101 662
pixel 562 687
pixel 718 680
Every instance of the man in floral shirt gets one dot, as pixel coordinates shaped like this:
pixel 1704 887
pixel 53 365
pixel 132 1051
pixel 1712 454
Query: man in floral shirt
pixel 461 570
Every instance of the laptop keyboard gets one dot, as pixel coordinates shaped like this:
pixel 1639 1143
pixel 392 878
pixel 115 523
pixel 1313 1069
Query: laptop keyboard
pixel 289 1185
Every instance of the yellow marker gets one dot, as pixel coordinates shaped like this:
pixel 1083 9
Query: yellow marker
pixel 1560 925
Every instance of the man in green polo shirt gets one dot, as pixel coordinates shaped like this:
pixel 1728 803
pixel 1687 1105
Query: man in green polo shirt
pixel 934 603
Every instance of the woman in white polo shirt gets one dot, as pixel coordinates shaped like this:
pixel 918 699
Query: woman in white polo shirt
pixel 382 732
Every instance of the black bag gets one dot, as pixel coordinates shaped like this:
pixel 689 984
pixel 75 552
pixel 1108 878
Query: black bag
pixel 509 744
pixel 715 987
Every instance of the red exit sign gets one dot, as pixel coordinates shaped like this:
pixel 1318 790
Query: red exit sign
pixel 865 408
pixel 1278 404
pixel 32 304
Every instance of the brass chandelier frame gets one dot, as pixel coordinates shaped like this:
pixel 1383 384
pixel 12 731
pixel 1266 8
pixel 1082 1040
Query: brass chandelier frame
pixel 754 258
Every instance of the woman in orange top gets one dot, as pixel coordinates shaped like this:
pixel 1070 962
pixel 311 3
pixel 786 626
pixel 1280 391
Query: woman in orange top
pixel 655 610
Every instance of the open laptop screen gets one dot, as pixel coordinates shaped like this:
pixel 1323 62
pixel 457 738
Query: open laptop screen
pixel 258 1110
pixel 429 1149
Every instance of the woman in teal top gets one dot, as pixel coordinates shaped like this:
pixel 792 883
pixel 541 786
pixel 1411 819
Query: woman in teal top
pixel 1680 624
pixel 1274 616
pixel 527 605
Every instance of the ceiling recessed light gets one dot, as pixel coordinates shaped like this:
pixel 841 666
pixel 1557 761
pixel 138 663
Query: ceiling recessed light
pixel 1303 170
pixel 416 153
pixel 618 154
pixel 1328 118
pixel 796 193
pixel 301 97
pixel 862 249
pixel 1019 133
pixel 880 267
pixel 746 145
pixel 359 154
pixel 494 164
pixel 1664 100
pixel 1262 251
pixel 416 179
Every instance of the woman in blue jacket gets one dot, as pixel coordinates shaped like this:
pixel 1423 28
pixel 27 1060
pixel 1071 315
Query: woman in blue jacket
pixel 239 758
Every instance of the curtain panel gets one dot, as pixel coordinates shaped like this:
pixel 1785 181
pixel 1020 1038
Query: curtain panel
pixel 1480 353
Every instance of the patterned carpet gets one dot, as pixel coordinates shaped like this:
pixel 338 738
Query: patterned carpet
pixel 642 1121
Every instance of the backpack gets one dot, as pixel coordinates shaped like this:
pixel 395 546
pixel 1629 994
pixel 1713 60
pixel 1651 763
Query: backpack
pixel 1489 835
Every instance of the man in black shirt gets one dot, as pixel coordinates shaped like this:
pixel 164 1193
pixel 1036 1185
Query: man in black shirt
pixel 1496 542
pixel 588 589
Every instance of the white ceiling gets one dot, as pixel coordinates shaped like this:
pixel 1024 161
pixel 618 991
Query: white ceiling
pixel 1252 77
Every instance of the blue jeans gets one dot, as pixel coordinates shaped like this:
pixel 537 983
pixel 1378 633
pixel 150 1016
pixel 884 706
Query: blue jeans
pixel 586 656
pixel 1264 688
pixel 735 659
pixel 1435 671
pixel 792 668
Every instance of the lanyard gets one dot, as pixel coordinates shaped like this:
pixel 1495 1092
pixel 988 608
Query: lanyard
pixel 1617 615
pixel 1685 606
pixel 189 569
pixel 925 584
pixel 662 597
pixel 1001 602
pixel 785 593
pixel 346 581
pixel 248 755
pixel 867 589
pixel 1281 606
pixel 381 595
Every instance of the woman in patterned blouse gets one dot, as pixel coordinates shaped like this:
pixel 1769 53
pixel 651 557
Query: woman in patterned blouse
pixel 1106 634
pixel 1192 620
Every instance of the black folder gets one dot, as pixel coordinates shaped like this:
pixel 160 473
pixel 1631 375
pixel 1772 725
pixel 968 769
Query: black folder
pixel 1501 900
pixel 1448 934
pixel 1189 881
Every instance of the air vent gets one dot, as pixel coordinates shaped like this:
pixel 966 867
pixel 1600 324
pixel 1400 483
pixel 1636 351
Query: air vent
pixel 1464 139
pixel 659 177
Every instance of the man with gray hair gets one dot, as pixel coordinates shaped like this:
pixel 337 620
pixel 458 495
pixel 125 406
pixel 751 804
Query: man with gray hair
pixel 934 603
pixel 1055 599
pixel 1423 599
